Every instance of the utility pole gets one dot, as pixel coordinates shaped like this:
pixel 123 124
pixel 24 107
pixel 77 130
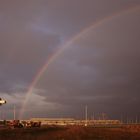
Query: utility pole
pixel 136 120
pixel 14 112
pixel 86 115
pixel 93 116
pixel 121 118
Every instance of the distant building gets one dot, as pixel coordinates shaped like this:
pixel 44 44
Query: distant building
pixel 71 121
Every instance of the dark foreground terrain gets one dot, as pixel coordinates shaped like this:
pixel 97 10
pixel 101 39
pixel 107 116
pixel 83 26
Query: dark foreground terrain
pixel 71 133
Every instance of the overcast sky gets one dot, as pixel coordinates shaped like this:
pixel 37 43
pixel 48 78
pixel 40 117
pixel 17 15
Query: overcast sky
pixel 101 69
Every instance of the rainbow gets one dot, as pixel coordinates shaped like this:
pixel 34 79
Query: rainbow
pixel 66 45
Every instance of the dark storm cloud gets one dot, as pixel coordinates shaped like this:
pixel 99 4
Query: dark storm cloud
pixel 101 69
pixel 69 17
pixel 97 70
pixel 22 50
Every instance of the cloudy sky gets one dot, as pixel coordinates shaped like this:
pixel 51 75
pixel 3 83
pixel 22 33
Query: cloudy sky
pixel 100 68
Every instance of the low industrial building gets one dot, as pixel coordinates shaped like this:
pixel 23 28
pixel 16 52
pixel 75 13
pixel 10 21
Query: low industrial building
pixel 71 121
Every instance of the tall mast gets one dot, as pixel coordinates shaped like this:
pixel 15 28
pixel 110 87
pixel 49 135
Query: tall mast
pixel 86 115
pixel 14 112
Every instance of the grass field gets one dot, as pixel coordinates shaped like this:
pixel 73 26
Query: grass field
pixel 70 133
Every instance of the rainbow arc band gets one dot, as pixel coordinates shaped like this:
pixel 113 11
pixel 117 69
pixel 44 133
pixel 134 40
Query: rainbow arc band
pixel 67 44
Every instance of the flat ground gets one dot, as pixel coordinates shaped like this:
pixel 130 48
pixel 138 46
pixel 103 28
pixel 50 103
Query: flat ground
pixel 71 133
